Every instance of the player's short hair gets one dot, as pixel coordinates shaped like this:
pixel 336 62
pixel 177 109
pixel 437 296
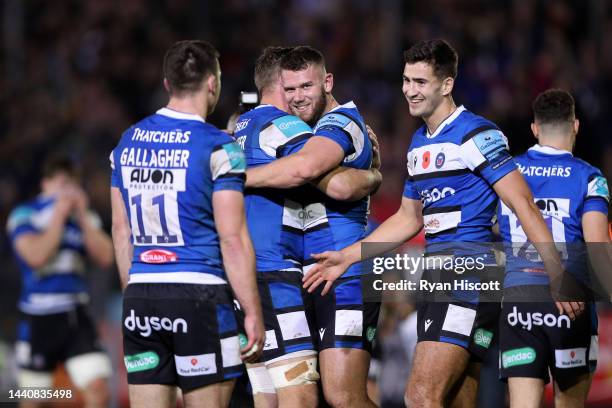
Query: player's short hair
pixel 301 57
pixel 437 53
pixel 554 107
pixel 267 66
pixel 187 63
pixel 58 163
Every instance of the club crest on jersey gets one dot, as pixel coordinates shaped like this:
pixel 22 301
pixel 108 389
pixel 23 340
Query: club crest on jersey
pixel 426 159
pixel 440 159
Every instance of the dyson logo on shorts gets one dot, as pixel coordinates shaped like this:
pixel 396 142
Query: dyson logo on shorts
pixel 148 323
pixel 528 320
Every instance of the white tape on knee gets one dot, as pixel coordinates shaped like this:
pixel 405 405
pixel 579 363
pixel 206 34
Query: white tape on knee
pixel 87 367
pixel 37 379
pixel 260 379
pixel 295 373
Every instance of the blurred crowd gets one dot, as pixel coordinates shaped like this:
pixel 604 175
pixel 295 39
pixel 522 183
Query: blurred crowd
pixel 75 74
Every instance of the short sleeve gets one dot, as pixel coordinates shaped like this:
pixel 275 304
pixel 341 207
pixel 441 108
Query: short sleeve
pixel 115 177
pixel 20 222
pixel 284 135
pixel 228 167
pixel 410 190
pixel 338 128
pixel 597 196
pixel 487 153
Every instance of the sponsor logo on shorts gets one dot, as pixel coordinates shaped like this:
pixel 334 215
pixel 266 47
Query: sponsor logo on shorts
pixel 141 361
pixel 201 364
pixel 371 333
pixel 428 323
pixel 483 338
pixel 147 324
pixel 569 358
pixel 322 333
pixel 516 357
pixel 528 320
pixel 158 256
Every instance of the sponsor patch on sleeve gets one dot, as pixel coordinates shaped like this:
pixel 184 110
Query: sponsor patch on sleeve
pixel 492 144
pixel 228 158
pixel 291 126
pixel 332 119
pixel 19 216
pixel 598 187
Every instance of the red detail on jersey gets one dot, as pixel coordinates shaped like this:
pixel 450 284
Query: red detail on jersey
pixel 426 159
pixel 157 256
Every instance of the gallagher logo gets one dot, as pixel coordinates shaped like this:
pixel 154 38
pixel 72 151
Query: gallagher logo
pixel 426 159
pixel 157 256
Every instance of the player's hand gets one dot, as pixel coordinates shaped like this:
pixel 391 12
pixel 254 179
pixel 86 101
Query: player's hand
pixel 256 335
pixel 330 266
pixel 64 204
pixel 81 201
pixel 376 163
pixel 571 309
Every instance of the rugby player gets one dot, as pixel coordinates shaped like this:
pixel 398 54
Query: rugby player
pixel 279 216
pixel 180 233
pixel 573 197
pixel 53 236
pixel 458 165
pixel 346 325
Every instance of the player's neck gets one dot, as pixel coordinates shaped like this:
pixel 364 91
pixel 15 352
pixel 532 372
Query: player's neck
pixel 196 104
pixel 331 103
pixel 275 99
pixel 558 142
pixel 443 111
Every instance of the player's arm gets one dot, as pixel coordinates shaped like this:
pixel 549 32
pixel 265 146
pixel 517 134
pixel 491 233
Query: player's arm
pixel 239 260
pixel 515 193
pixel 397 229
pixel 318 156
pixel 347 184
pixel 37 248
pixel 122 236
pixel 98 244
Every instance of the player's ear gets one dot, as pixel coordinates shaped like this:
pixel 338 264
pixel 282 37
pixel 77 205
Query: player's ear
pixel 535 130
pixel 576 126
pixel 211 84
pixel 328 82
pixel 447 86
pixel 166 85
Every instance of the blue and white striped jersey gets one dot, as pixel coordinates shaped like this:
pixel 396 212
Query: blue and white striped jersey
pixel 452 172
pixel 167 167
pixel 564 188
pixel 275 217
pixel 332 224
pixel 59 285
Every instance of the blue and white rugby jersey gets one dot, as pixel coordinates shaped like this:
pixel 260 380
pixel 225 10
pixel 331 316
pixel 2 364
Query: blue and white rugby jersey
pixel 167 167
pixel 452 172
pixel 275 216
pixel 59 285
pixel 332 224
pixel 564 188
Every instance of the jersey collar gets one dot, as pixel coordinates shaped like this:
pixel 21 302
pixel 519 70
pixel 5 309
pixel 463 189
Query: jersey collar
pixel 446 121
pixel 348 105
pixel 548 150
pixel 179 115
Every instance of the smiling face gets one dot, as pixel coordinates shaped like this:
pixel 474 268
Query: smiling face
pixel 423 90
pixel 306 91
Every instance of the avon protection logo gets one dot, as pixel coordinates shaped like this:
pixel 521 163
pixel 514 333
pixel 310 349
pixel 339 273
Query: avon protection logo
pixel 528 320
pixel 148 323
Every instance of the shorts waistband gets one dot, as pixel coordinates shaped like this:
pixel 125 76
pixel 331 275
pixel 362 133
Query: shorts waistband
pixel 177 277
